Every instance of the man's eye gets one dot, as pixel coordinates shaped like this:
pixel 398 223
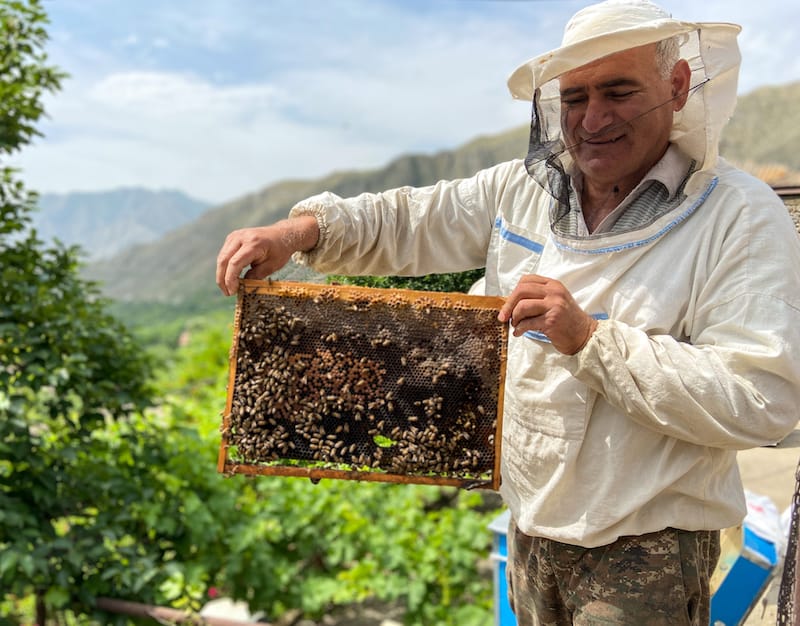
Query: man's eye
pixel 572 101
pixel 620 95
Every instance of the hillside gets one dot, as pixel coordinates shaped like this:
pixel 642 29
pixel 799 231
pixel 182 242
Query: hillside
pixel 179 267
pixel 764 129
pixel 105 223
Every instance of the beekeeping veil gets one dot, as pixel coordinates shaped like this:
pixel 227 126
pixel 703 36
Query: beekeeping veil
pixel 610 27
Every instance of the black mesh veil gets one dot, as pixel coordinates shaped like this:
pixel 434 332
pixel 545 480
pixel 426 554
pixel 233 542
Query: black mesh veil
pixel 550 164
pixel 543 161
pixel 713 56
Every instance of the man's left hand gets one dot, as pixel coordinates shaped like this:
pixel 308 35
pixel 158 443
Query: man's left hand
pixel 546 305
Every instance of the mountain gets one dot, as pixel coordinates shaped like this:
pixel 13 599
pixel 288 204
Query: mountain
pixel 179 267
pixel 764 129
pixel 105 223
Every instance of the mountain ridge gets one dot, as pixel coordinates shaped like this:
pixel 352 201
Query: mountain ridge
pixel 104 223
pixel 179 267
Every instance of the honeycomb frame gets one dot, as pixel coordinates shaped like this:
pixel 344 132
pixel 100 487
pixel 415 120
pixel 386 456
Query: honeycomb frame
pixel 361 383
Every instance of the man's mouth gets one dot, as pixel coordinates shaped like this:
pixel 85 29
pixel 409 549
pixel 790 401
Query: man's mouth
pixel 597 141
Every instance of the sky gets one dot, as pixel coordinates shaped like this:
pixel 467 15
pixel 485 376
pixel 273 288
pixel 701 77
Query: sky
pixel 220 98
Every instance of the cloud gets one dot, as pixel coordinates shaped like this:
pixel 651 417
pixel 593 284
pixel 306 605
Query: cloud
pixel 173 131
pixel 221 99
pixel 220 139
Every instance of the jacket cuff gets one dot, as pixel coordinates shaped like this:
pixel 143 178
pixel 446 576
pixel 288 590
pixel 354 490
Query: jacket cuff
pixel 585 360
pixel 318 212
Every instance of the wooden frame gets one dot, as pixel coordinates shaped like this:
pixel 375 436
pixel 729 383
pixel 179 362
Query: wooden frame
pixel 319 335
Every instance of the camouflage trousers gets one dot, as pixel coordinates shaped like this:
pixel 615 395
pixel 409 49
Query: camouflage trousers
pixel 658 579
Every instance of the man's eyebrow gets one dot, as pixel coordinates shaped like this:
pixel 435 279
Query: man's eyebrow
pixel 614 82
pixel 570 91
pixel 619 82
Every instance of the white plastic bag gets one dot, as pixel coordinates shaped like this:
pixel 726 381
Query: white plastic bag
pixel 764 520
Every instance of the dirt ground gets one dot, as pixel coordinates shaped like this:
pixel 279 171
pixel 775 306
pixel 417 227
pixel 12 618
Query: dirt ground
pixel 771 471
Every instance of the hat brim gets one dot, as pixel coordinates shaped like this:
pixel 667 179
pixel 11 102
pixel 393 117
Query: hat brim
pixel 523 82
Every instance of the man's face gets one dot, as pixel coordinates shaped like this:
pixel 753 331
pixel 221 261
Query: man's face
pixel 611 116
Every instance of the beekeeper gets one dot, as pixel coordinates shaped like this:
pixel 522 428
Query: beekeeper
pixel 654 295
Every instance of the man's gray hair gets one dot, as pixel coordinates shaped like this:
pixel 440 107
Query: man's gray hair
pixel 667 55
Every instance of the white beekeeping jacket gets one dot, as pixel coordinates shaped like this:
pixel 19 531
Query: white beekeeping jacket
pixel 697 352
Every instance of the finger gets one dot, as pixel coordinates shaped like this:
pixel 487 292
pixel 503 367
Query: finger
pixel 528 311
pixel 531 286
pixel 232 258
pixel 258 271
pixel 233 270
pixel 521 327
pixel 535 279
pixel 228 249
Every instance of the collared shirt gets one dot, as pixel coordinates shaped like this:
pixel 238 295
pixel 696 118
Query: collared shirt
pixel 657 193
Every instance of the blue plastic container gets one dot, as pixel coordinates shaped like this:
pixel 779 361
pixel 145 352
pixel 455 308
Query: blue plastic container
pixel 746 566
pixel 503 616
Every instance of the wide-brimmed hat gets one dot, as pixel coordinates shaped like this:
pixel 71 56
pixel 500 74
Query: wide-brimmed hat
pixel 606 28
pixel 603 29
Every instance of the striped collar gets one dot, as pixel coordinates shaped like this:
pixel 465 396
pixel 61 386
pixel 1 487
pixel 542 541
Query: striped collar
pixel 671 172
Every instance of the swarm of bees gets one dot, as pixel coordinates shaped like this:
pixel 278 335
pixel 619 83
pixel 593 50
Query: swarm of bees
pixel 369 384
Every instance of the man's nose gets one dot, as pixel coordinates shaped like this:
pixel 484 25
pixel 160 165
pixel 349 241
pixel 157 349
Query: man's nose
pixel 597 116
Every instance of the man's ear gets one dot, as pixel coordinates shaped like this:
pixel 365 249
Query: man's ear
pixel 680 79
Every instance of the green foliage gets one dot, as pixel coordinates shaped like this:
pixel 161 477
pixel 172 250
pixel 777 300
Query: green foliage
pixel 70 376
pixel 104 494
pixel 459 282
pixel 159 324
pixel 338 542
pixel 24 77
pixel 286 543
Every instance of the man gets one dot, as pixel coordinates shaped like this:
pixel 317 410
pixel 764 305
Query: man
pixel 654 295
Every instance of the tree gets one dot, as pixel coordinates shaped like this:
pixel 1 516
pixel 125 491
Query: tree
pixel 67 369
pixel 102 494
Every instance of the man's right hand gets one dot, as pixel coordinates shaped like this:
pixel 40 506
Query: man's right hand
pixel 264 249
